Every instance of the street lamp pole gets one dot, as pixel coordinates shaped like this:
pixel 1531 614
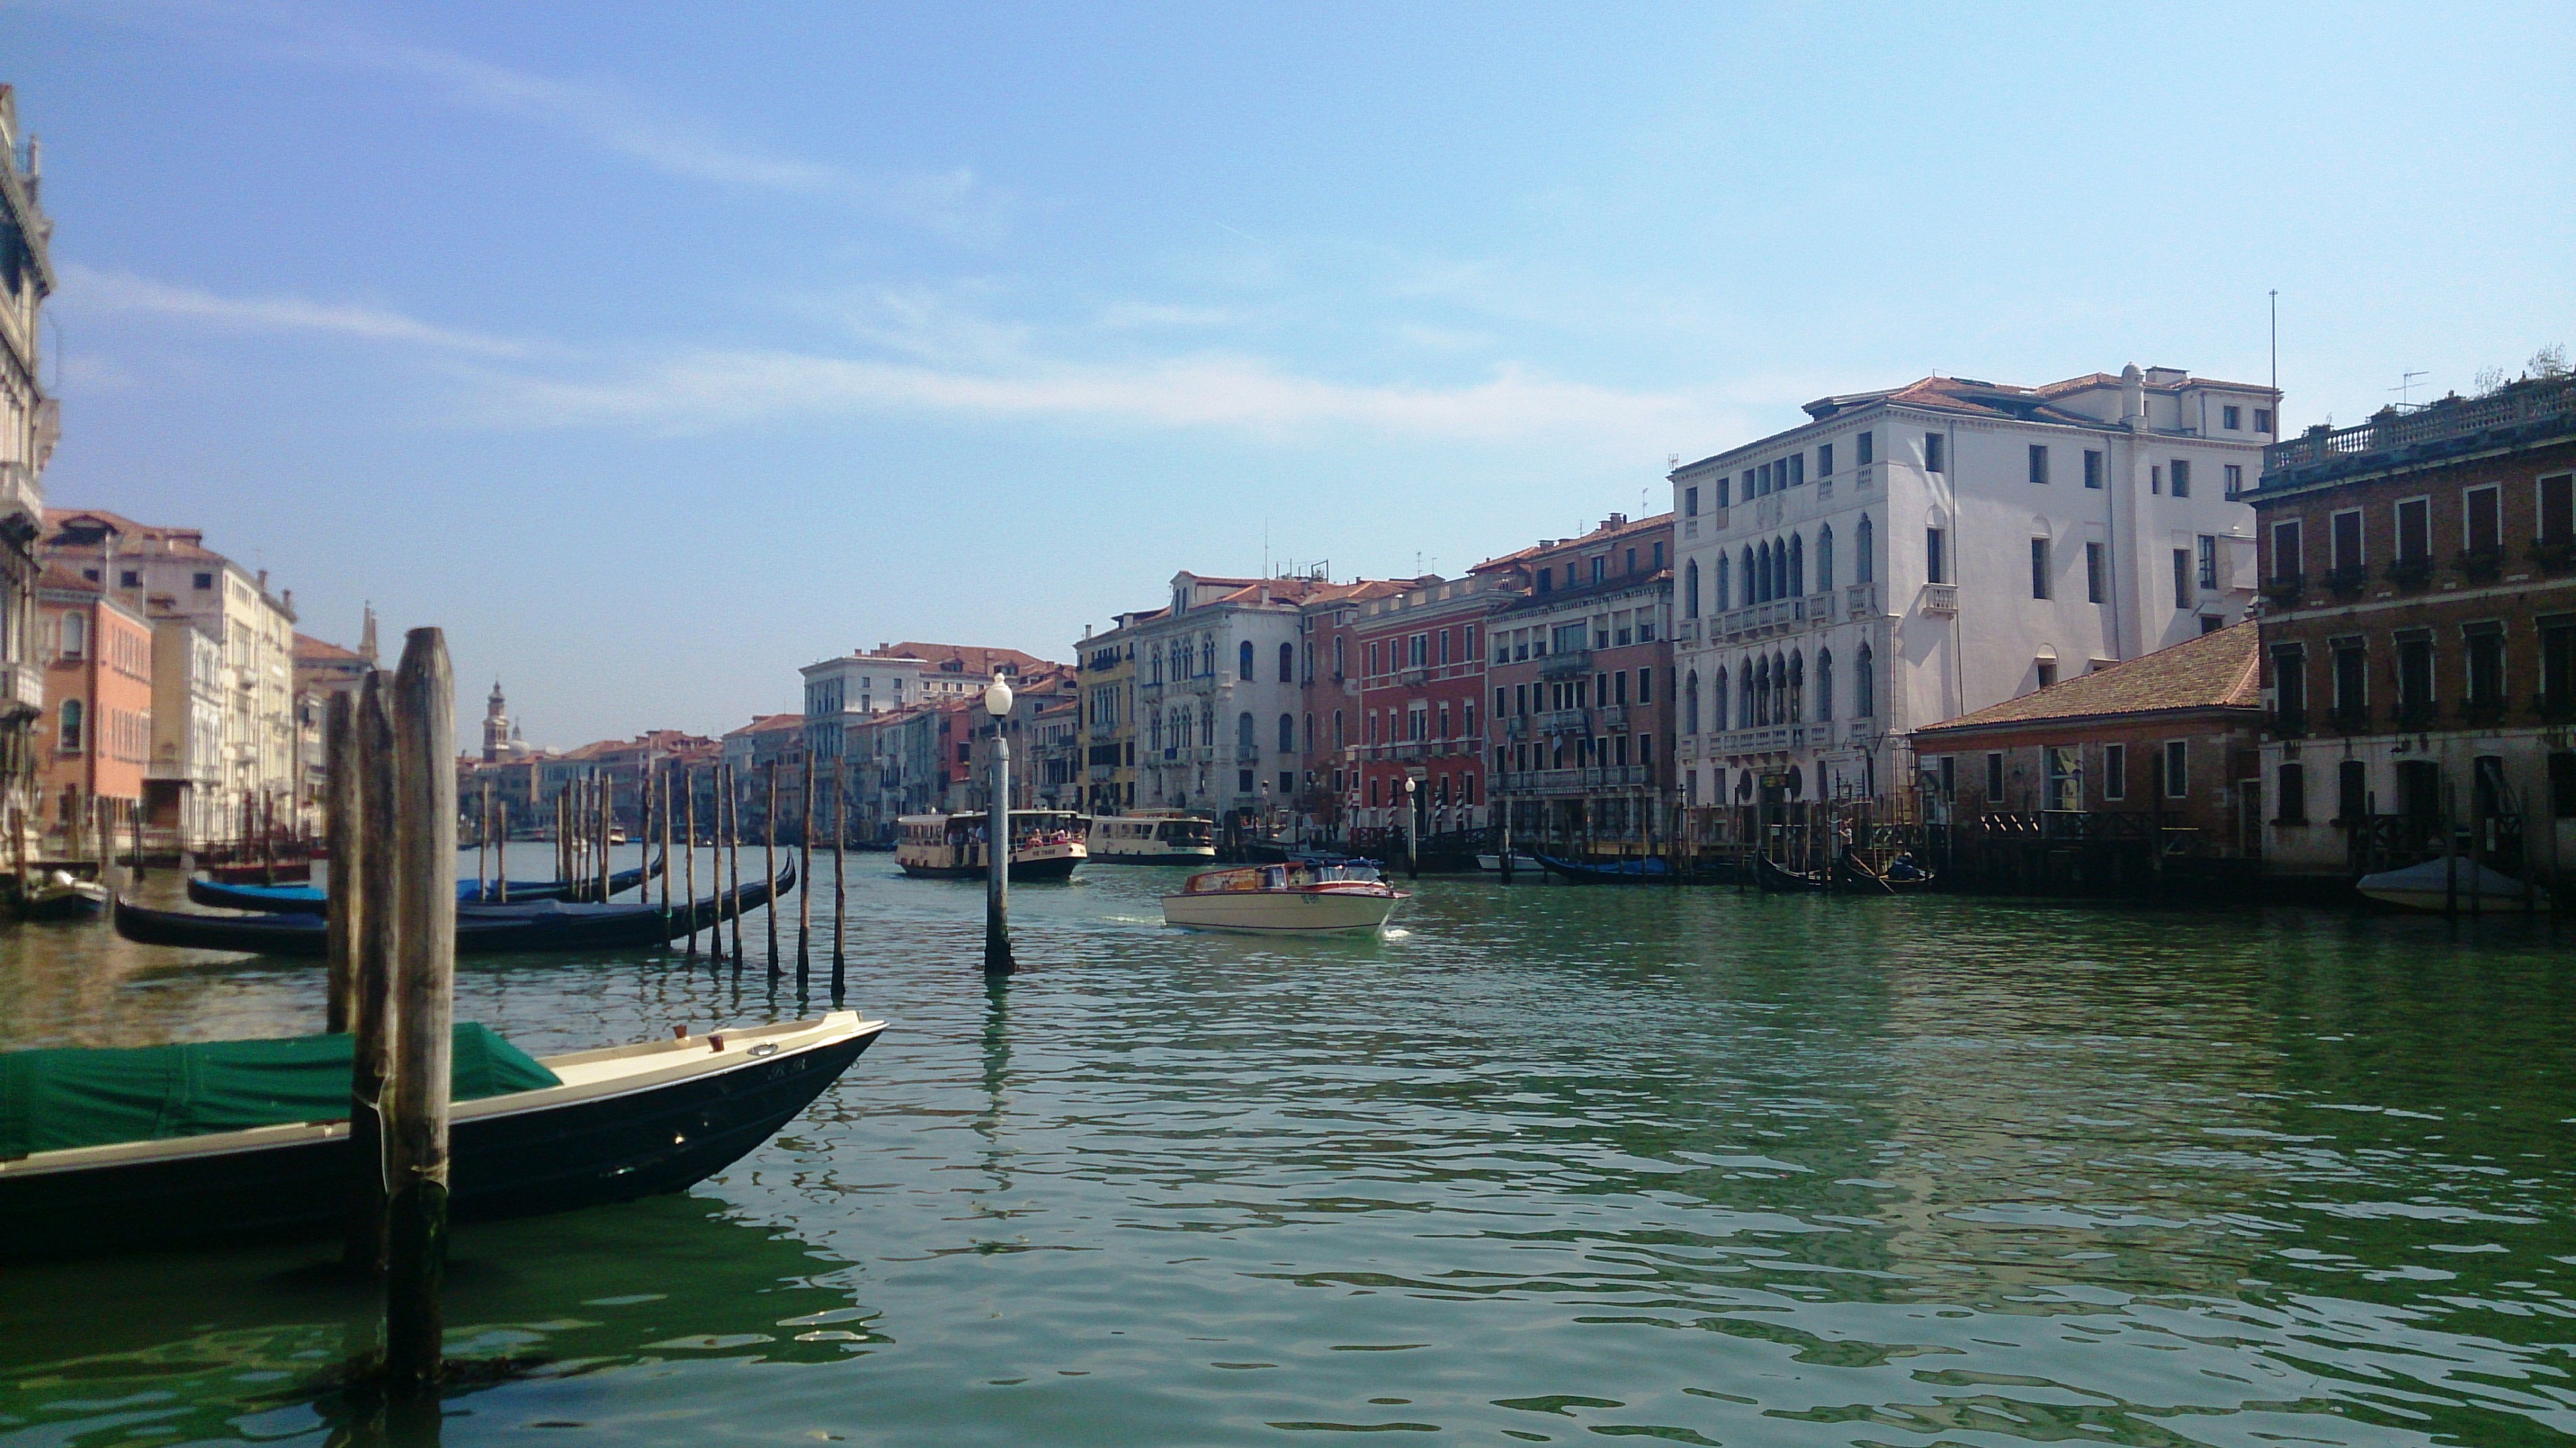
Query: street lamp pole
pixel 997 845
pixel 1412 857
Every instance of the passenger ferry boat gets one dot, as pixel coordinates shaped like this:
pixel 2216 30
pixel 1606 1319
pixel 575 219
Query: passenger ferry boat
pixel 1301 897
pixel 1153 837
pixel 1046 845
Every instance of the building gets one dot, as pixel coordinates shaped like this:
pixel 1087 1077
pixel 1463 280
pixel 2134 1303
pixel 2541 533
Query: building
pixel 770 747
pixel 169 572
pixel 1217 694
pixel 29 423
pixel 1910 556
pixel 1582 726
pixel 1107 696
pixel 183 786
pixel 2108 778
pixel 2419 634
pixel 322 669
pixel 97 737
pixel 1332 668
pixel 843 690
pixel 1420 652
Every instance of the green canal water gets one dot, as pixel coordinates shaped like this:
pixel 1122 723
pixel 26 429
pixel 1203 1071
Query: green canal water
pixel 1554 1164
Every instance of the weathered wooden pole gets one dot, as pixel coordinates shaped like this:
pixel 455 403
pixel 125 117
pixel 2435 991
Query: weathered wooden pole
pixel 371 1011
pixel 732 804
pixel 501 850
pixel 135 814
pixel 607 828
pixel 769 863
pixel 689 787
pixel 840 839
pixel 340 837
pixel 425 907
pixel 805 875
pixel 666 851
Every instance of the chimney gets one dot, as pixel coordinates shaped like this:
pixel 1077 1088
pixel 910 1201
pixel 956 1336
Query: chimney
pixel 2133 399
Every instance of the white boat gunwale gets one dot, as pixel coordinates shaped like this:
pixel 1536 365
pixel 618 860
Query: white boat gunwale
pixel 692 1055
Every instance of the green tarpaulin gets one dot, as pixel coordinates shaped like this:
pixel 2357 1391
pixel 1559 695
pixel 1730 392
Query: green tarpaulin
pixel 57 1099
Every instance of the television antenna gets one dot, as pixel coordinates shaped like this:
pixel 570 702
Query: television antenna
pixel 2405 388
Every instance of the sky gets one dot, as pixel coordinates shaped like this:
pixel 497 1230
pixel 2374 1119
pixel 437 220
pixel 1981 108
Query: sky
pixel 654 350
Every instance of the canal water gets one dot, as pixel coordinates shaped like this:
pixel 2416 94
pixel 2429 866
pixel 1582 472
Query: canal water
pixel 1554 1163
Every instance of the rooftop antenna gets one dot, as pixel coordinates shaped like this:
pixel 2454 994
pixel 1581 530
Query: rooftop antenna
pixel 2405 388
pixel 2276 340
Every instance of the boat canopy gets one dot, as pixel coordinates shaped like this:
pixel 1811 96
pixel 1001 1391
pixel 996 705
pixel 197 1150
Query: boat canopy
pixel 54 1100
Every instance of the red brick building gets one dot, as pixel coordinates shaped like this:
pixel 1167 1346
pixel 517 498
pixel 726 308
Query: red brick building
pixel 96 736
pixel 1581 727
pixel 1420 652
pixel 2419 636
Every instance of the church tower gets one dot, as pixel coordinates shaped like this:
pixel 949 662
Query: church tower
pixel 496 726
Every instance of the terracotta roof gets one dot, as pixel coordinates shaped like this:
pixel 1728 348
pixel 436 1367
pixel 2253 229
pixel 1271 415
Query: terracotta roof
pixel 971 658
pixel 768 723
pixel 181 542
pixel 61 574
pixel 309 649
pixel 2214 671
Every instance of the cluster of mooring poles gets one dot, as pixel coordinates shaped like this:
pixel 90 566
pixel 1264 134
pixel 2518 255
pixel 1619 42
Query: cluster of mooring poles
pixel 390 821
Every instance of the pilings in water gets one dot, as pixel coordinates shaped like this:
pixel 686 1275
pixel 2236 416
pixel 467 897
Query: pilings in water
pixel 340 837
pixel 732 804
pixel 840 841
pixel 425 905
pixel 689 787
pixel 805 876
pixel 769 864
pixel 374 929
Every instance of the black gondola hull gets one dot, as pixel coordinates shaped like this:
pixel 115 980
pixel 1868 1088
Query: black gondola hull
pixel 614 1148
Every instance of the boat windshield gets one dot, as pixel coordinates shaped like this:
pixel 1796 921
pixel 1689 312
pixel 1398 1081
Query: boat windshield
pixel 1363 873
pixel 1185 832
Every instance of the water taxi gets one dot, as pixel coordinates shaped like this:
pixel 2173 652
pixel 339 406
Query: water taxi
pixel 1153 837
pixel 1301 897
pixel 1046 844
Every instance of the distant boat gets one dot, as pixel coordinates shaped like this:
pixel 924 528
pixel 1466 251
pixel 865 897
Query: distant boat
pixel 313 900
pixel 1521 860
pixel 1778 879
pixel 543 925
pixel 552 1134
pixel 1047 844
pixel 1650 870
pixel 56 895
pixel 1344 897
pixel 1152 837
pixel 2429 886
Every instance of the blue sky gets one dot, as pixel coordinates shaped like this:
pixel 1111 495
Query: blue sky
pixel 653 354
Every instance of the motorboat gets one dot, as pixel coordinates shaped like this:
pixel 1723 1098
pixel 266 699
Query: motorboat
pixel 1153 837
pixel 1299 897
pixel 2442 883
pixel 59 895
pixel 1046 844
pixel 1492 864
pixel 257 1146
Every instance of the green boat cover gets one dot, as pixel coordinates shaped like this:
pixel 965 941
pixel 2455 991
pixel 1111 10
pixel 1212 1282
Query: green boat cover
pixel 57 1099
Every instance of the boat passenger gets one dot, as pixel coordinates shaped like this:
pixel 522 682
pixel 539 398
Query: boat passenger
pixel 1904 868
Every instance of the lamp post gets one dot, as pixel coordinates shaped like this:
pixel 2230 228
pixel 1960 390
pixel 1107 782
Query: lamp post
pixel 997 845
pixel 1412 859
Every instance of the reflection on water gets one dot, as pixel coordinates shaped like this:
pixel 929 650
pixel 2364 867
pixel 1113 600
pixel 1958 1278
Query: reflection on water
pixel 1557 1163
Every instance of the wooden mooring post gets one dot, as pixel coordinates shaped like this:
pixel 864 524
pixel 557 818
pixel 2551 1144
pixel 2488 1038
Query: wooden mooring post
pixel 731 804
pixel 689 788
pixel 340 837
pixel 805 876
pixel 373 932
pixel 665 793
pixel 840 840
pixel 501 851
pixel 425 905
pixel 769 864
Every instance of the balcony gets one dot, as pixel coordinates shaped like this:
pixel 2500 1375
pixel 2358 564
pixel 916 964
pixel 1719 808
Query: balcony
pixel 2481 565
pixel 1938 598
pixel 1614 717
pixel 2285 588
pixel 1566 665
pixel 2416 714
pixel 22 503
pixel 2554 708
pixel 1860 600
pixel 1574 781
pixel 1516 727
pixel 2485 712
pixel 2289 723
pixel 2411 573
pixel 1686 631
pixel 2349 718
pixel 2347 581
pixel 22 689
pixel 2525 410
pixel 2554 554
pixel 1565 721
pixel 1247 754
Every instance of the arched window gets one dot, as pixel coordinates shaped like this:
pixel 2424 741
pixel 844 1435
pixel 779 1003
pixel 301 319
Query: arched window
pixel 1337 726
pixel 1690 704
pixel 1243 661
pixel 1824 685
pixel 1718 702
pixel 1825 561
pixel 1207 655
pixel 1864 553
pixel 1752 581
pixel 73 719
pixel 1762 694
pixel 1287 734
pixel 1864 686
pixel 1243 728
pixel 1744 698
pixel 1724 594
pixel 1690 589
pixel 1156 661
pixel 1310 734
pixel 1797 702
pixel 1797 567
pixel 1287 664
pixel 75 636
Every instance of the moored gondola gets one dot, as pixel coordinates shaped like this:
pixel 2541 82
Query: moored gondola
pixel 1778 879
pixel 544 925
pixel 313 900
pixel 616 1124
pixel 1649 871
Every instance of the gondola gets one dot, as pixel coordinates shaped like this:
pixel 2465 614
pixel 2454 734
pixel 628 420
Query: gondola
pixel 613 1125
pixel 1853 876
pixel 57 896
pixel 543 925
pixel 313 900
pixel 1778 879
pixel 1651 870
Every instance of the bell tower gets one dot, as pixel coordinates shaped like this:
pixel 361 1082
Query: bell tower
pixel 496 725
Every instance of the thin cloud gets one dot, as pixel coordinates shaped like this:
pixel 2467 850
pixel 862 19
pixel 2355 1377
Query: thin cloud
pixel 952 202
pixel 125 292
